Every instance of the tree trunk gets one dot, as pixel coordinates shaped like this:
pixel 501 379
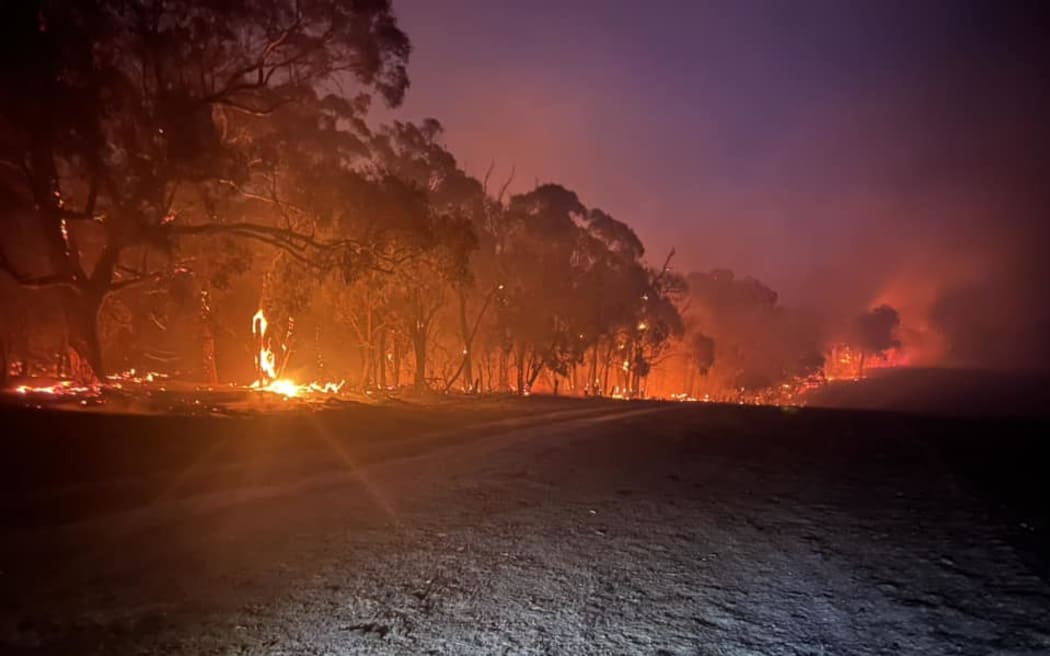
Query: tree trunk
pixel 468 363
pixel 521 370
pixel 209 373
pixel 382 359
pixel 605 372
pixel 635 378
pixel 419 345
pixel 504 369
pixel 535 369
pixel 486 379
pixel 208 370
pixel 82 310
pixel 368 375
pixel 592 379
pixel 370 349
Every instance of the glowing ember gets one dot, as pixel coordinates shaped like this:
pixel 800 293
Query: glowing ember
pixel 845 362
pixel 684 398
pixel 291 389
pixel 327 388
pixel 134 376
pixel 282 386
pixel 61 388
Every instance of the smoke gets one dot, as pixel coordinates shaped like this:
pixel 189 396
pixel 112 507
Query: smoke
pixel 930 197
pixel 741 337
pixel 982 329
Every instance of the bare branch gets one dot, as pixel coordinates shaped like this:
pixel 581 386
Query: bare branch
pixel 20 169
pixel 272 199
pixel 488 174
pixel 75 215
pixel 304 248
pixel 157 357
pixel 264 70
pixel 92 199
pixel 666 267
pixel 35 282
pixel 141 279
pixel 506 185
pixel 253 111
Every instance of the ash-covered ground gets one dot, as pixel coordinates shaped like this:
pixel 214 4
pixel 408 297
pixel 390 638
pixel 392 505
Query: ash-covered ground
pixel 527 526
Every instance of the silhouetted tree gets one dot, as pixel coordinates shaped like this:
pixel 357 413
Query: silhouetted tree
pixel 539 312
pixel 120 112
pixel 703 350
pixel 875 332
pixel 440 268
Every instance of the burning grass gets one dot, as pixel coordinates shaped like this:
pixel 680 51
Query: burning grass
pixel 272 389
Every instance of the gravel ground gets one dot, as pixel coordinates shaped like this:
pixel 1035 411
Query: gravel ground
pixel 634 530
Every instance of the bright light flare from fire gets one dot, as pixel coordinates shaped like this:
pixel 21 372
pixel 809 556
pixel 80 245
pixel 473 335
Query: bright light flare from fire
pixel 265 360
pixel 844 362
pixel 61 388
pixel 266 368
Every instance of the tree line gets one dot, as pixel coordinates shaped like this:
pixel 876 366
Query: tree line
pixel 169 166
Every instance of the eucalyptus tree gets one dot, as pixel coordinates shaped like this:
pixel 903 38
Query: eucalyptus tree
pixel 540 312
pixel 874 332
pixel 120 113
pixel 437 264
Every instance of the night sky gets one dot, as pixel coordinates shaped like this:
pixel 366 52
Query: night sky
pixel 845 153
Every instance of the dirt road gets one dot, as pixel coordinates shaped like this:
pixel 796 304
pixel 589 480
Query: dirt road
pixel 617 528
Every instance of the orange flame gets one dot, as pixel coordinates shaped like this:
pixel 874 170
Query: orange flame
pixel 266 368
pixel 265 360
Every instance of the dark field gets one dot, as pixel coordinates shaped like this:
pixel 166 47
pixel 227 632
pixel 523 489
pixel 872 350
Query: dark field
pixel 942 392
pixel 524 526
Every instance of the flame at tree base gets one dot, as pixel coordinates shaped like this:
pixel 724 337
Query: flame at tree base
pixel 267 370
pixel 291 389
pixel 842 363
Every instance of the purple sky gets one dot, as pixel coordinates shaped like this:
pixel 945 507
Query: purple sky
pixel 828 148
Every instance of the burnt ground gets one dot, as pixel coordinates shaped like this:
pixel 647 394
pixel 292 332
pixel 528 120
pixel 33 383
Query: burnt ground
pixel 531 526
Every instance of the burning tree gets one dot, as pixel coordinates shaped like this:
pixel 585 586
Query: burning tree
pixel 659 321
pixel 124 117
pixel 614 286
pixel 873 333
pixel 575 282
pixel 538 314
pixel 397 205
pixel 197 157
pixel 438 260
